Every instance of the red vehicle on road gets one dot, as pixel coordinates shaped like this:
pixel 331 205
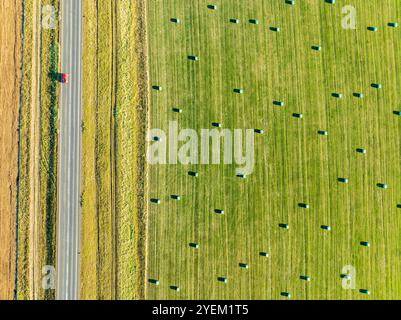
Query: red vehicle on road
pixel 65 78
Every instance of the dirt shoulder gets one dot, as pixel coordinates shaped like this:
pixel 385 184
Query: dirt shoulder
pixel 10 51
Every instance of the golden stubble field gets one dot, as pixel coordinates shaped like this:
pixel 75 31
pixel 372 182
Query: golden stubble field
pixel 10 42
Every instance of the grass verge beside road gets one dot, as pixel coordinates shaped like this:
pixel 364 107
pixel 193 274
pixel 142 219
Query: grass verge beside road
pixel 113 131
pixel 37 193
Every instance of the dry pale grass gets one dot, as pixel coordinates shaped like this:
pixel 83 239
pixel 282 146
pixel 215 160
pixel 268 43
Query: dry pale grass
pixel 112 265
pixel 97 276
pixel 89 236
pixel 27 131
pixel 131 125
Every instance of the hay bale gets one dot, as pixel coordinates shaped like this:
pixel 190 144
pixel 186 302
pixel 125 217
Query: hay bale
pixel 155 201
pixel 175 288
pixel 337 95
pixel 376 85
pixel 193 174
pixel 157 88
pixel 177 110
pixel 194 245
pixel 303 205
pixel 305 278
pixel 278 103
pixel 222 279
pixel 193 58
pixel 154 281
pixel 325 227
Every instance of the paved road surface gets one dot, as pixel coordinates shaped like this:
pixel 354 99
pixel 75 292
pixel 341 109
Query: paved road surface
pixel 68 240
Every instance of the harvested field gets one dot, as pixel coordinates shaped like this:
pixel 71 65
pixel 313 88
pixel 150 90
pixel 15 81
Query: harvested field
pixel 294 163
pixel 10 61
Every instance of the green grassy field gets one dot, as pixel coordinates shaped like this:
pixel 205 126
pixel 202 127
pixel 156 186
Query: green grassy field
pixel 293 163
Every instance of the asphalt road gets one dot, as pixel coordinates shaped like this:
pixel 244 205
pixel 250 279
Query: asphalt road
pixel 68 229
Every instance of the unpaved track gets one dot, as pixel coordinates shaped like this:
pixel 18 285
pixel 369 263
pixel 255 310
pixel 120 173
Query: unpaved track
pixel 10 60
pixel 35 153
